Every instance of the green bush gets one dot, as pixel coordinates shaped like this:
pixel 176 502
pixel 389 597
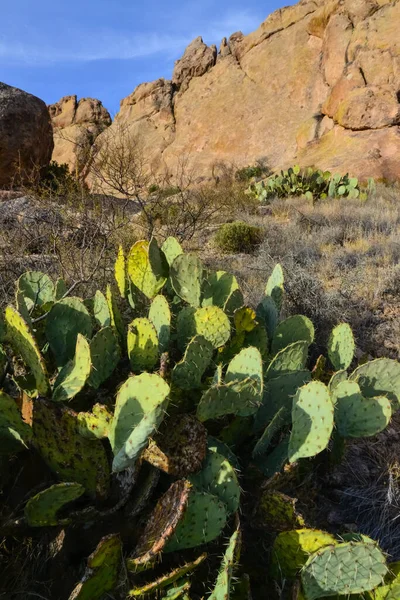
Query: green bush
pixel 57 179
pixel 238 237
pixel 247 173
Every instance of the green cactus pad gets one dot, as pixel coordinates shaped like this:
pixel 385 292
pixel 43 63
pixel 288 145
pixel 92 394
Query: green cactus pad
pixel 341 347
pixel 233 302
pixel 162 523
pixel 258 338
pixel 275 286
pixel 291 549
pixel 95 424
pixel 102 571
pixel 223 589
pixel 140 408
pixel 219 478
pixel 237 397
pixel 171 248
pixel 244 319
pixel 15 434
pixel 37 289
pixel 267 313
pixel 273 463
pixel 101 311
pixel 180 449
pixel 142 344
pixel 203 521
pixel 357 416
pixel 65 321
pixel 335 380
pixel 60 289
pixel 160 316
pixel 292 358
pixel 23 343
pixel 215 445
pixel 277 512
pixel 115 314
pixel 312 418
pixel 218 287
pixel 349 568
pixel 144 273
pixel 248 363
pixel 210 322
pixel 105 354
pixel 293 329
pixel 165 580
pixel 187 278
pixel 379 377
pixel 120 272
pixel 69 455
pixel 178 591
pixel 23 309
pixel 188 372
pixel 278 423
pixel 42 509
pixel 73 377
pixel 278 393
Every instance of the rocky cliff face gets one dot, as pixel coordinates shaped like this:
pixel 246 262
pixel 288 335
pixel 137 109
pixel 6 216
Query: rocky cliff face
pixel 26 140
pixel 76 125
pixel 317 84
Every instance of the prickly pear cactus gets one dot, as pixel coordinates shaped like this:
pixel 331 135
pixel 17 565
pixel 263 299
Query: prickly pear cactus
pixel 218 287
pixel 312 418
pixel 379 377
pixel 120 272
pixel 160 316
pixel 145 268
pixel 36 288
pixel 142 345
pixel 171 248
pixel 42 509
pixel 341 347
pixel 139 410
pixel 23 343
pixel 105 354
pixel 95 424
pixel 102 571
pixel 65 321
pixel 244 319
pixel 349 568
pixel 277 512
pixel 187 374
pixel 186 275
pixel 74 375
pixel 219 478
pixel 115 314
pixel 211 322
pixel 275 286
pixel 101 311
pixel 293 329
pixel 15 434
pixel 292 358
pixel 223 589
pixel 291 549
pixel 275 426
pixel 233 303
pixel 357 416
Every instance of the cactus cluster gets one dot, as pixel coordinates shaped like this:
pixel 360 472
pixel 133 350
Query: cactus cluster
pixel 149 401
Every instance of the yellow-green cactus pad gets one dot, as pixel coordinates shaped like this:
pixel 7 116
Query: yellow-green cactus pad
pixel 73 377
pixel 42 509
pixel 186 275
pixel 120 272
pixel 142 344
pixel 341 347
pixel 171 248
pixel 143 273
pixel 23 343
pixel 15 434
pixel 291 549
pixel 244 319
pixel 101 311
pixel 95 424
pixel 211 322
pixel 277 512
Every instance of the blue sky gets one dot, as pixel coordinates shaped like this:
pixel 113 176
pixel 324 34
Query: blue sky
pixel 105 48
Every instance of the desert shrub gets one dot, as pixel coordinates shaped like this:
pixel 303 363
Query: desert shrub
pixel 245 174
pixel 161 468
pixel 238 237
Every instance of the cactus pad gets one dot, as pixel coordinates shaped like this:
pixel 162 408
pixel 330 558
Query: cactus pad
pixel 312 418
pixel 349 568
pixel 95 424
pixel 211 322
pixel 224 584
pixel 15 434
pixel 65 321
pixel 258 338
pixel 279 421
pixel 292 548
pixel 357 416
pixel 142 345
pixel 160 316
pixel 36 288
pixel 215 445
pixel 73 377
pixel 105 355
pixel 180 449
pixel 293 329
pixel 165 580
pixel 24 344
pixel 101 311
pixel 273 463
pixel 145 273
pixel 379 377
pixel 187 278
pixel 244 319
pixel 218 287
pixel 219 478
pixel 275 286
pixel 120 272
pixel 268 314
pixel 70 456
pixel 203 521
pixel 140 407
pixel 102 571
pixel 162 523
pixel 60 289
pixel 335 380
pixel 277 512
pixel 292 358
pixel 171 248
pixel 115 314
pixel 42 509
pixel 233 302
pixel 236 397
pixel 188 372
pixel 341 347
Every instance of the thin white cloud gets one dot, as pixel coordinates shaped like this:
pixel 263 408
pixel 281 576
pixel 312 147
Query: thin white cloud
pixel 113 45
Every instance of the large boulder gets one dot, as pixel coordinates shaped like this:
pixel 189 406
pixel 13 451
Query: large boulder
pixel 76 126
pixel 26 139
pixel 317 83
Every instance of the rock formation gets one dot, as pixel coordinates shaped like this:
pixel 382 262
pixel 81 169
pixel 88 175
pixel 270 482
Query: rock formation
pixel 26 140
pixel 317 84
pixel 76 126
